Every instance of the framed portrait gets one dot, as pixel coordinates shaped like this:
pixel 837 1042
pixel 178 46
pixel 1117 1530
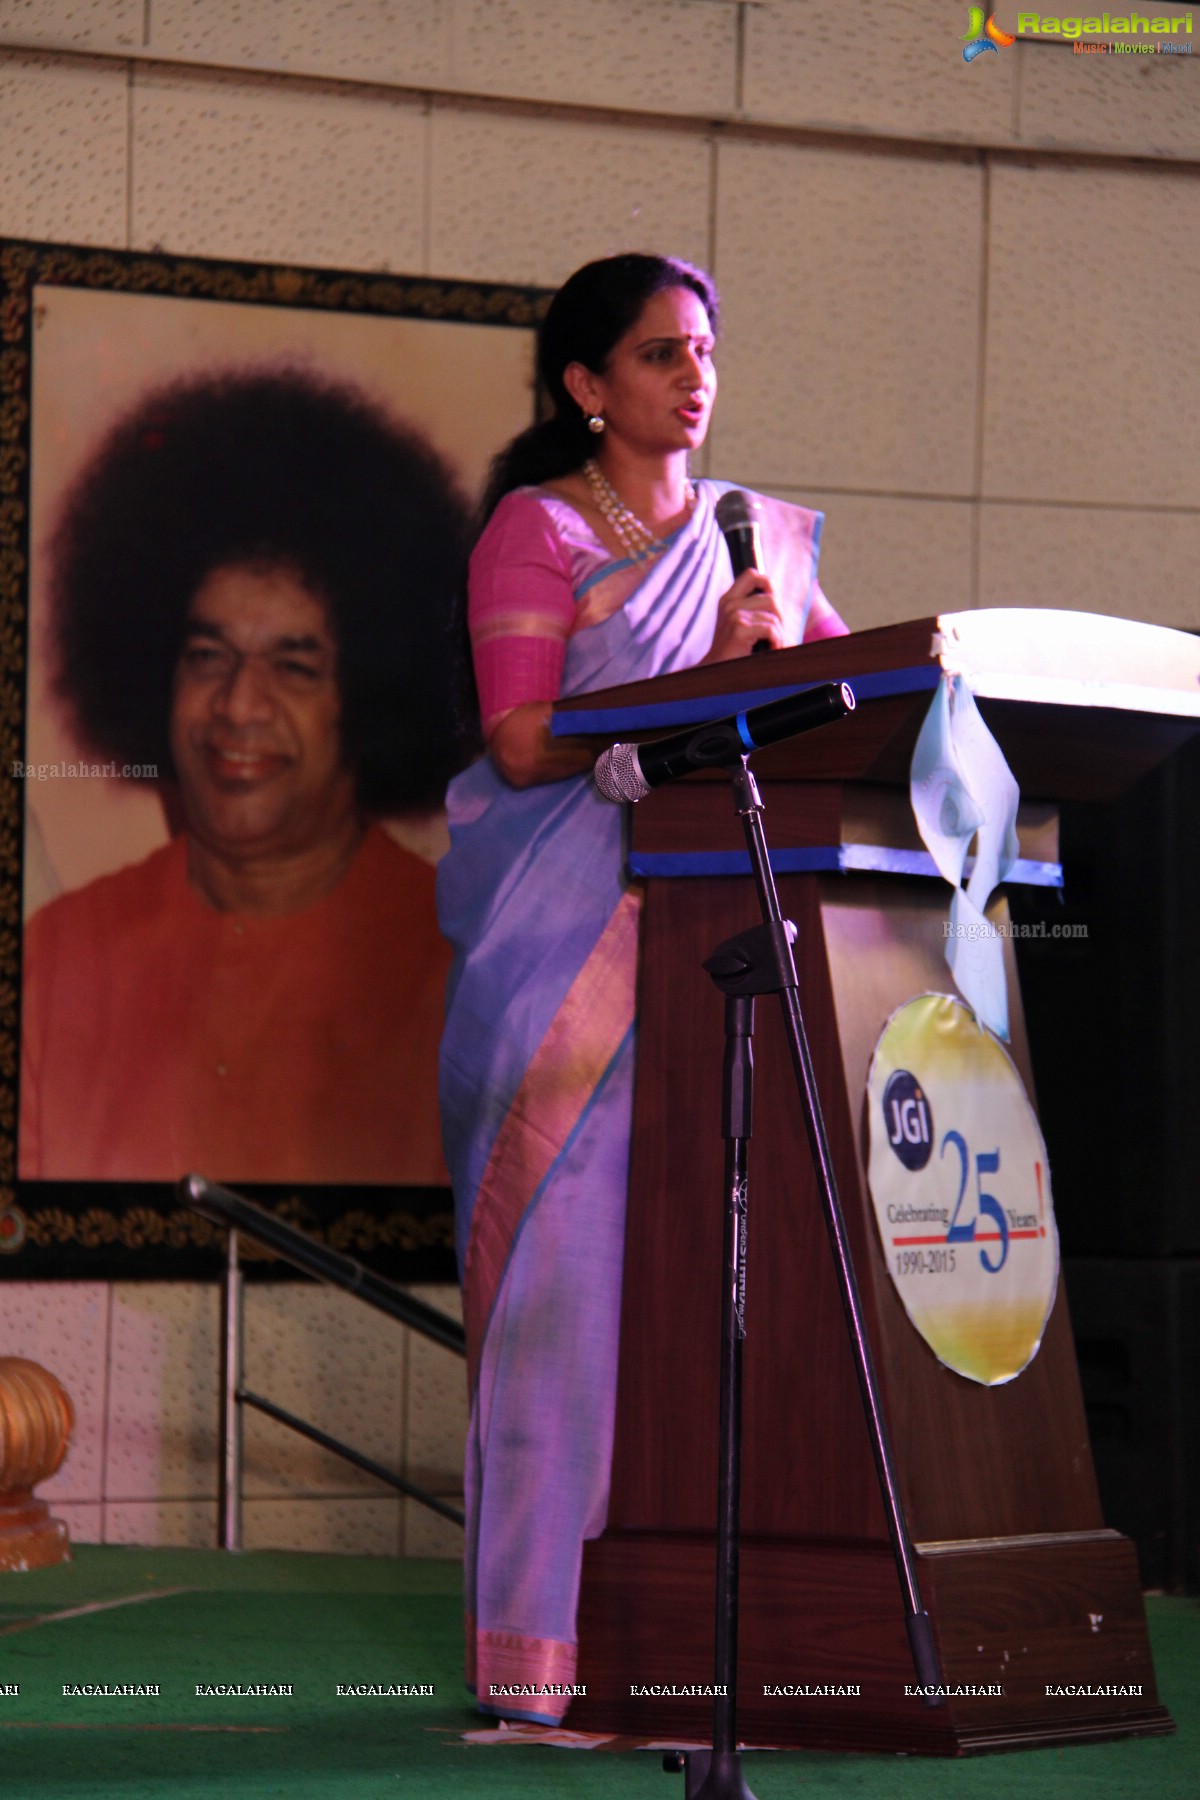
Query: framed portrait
pixel 231 502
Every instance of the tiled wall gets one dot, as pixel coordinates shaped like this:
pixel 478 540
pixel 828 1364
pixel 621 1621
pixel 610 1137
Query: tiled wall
pixel 140 1361
pixel 960 301
pixel 960 309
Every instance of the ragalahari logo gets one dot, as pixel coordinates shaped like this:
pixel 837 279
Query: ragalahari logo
pixel 983 35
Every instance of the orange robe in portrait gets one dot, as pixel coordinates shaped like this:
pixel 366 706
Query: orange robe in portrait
pixel 160 1036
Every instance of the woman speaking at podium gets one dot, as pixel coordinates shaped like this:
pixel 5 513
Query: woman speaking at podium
pixel 600 562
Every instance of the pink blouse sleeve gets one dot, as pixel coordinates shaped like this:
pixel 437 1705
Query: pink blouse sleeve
pixel 520 608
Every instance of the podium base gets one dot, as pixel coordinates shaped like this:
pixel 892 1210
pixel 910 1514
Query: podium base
pixel 1042 1641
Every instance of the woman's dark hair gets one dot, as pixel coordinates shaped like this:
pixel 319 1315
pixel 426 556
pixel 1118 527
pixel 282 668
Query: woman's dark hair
pixel 591 311
pixel 273 467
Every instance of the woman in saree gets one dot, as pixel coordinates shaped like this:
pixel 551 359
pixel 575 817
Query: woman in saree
pixel 600 562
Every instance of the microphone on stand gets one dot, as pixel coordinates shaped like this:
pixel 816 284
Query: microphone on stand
pixel 736 515
pixel 629 771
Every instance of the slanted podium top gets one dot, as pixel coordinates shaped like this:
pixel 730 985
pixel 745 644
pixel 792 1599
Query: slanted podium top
pixel 1082 704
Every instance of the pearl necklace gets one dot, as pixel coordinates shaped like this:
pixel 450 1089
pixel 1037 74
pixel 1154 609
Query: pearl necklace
pixel 634 537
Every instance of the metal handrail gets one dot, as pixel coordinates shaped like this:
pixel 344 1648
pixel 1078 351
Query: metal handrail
pixel 317 1436
pixel 239 1215
pixel 224 1207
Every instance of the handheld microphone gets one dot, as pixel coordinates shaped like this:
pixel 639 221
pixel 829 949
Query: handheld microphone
pixel 739 527
pixel 737 518
pixel 629 771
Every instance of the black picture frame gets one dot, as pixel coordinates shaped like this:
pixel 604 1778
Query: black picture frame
pixel 142 1230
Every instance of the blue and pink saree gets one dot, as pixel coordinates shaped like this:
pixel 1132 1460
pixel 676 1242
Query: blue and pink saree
pixel 536 1091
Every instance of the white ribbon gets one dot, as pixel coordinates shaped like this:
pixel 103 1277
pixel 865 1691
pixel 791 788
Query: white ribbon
pixel 962 788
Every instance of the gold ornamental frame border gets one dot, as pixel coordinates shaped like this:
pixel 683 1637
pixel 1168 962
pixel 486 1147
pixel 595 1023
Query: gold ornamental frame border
pixel 131 1219
pixel 354 1232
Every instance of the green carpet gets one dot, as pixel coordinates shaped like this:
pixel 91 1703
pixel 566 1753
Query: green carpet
pixel 314 1621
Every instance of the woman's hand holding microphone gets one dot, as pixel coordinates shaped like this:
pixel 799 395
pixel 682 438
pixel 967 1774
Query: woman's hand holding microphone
pixel 747 614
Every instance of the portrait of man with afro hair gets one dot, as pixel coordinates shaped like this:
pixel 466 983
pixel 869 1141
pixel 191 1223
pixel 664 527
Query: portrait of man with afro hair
pixel 251 583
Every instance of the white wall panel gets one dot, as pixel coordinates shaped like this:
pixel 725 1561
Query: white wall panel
pixel 885 560
pixel 163 1392
pixel 63 150
pixel 666 56
pixel 1093 382
pixel 437 1403
pixel 345 1527
pixel 1136 565
pixel 1141 105
pixel 428 1534
pixel 334 1362
pixel 896 68
pixel 101 25
pixel 528 200
pixel 670 56
pixel 245 167
pixel 401 41
pixel 84 1520
pixel 182 1524
pixel 851 291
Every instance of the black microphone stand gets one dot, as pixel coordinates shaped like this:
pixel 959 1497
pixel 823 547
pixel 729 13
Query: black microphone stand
pixel 759 961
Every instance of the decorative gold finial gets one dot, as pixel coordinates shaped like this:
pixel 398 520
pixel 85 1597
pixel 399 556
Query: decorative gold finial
pixel 36 1420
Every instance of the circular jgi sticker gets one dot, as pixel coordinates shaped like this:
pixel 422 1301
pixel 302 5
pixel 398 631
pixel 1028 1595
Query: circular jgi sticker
pixel 961 1189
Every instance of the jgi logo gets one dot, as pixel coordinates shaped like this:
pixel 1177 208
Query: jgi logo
pixel 908 1119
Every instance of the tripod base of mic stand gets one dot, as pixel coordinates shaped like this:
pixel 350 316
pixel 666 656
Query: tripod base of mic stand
pixel 709 1774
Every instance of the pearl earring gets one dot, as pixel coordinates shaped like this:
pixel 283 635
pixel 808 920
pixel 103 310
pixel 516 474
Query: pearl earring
pixel 595 422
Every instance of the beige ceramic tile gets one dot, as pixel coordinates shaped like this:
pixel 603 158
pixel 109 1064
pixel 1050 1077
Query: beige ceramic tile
pixel 112 25
pixel 164 1392
pixel 84 1519
pixel 428 1534
pixel 897 69
pixel 850 283
pixel 1139 106
pixel 665 56
pixel 334 1362
pixel 437 1402
pixel 1136 565
pixel 1093 383
pixel 63 150
pixel 437 1429
pixel 885 560
pixel 242 166
pixel 64 1326
pixel 346 1526
pixel 401 41
pixel 176 1524
pixel 528 200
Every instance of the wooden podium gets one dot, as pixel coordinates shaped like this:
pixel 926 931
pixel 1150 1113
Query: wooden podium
pixel 1028 1592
